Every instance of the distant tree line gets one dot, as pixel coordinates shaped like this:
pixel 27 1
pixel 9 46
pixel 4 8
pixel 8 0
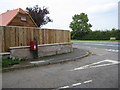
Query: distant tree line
pixel 81 30
pixel 99 35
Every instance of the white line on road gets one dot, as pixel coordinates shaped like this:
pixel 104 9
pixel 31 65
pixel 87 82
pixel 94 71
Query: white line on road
pixel 102 44
pixel 112 50
pixel 97 64
pixel 113 45
pixel 87 81
pixel 76 84
pixel 64 87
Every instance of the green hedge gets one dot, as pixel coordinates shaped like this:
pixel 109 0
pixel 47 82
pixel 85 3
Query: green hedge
pixel 99 35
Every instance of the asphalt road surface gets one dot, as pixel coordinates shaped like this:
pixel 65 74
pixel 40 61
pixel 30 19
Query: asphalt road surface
pixel 99 70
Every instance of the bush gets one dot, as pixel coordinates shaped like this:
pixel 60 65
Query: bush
pixel 9 62
pixel 24 59
pixel 98 35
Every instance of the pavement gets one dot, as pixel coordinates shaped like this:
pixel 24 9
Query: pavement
pixel 61 58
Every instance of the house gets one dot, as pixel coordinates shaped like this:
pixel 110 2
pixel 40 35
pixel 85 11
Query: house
pixel 17 17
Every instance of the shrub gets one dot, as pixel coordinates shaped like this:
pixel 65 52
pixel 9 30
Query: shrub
pixel 9 62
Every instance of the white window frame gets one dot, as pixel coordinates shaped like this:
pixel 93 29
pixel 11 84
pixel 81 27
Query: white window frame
pixel 23 18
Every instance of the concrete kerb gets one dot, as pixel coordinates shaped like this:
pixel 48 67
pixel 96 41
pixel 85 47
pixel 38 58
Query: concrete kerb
pixel 45 63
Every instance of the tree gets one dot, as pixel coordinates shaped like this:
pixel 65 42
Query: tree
pixel 39 15
pixel 80 26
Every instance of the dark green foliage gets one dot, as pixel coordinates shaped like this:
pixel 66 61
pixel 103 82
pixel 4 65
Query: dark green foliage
pixel 24 59
pixel 9 62
pixel 39 15
pixel 81 30
pixel 101 35
pixel 80 26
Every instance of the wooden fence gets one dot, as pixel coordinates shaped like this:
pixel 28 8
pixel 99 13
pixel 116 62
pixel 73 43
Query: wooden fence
pixel 21 36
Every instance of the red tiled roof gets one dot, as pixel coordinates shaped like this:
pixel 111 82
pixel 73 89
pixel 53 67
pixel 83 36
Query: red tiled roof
pixel 6 17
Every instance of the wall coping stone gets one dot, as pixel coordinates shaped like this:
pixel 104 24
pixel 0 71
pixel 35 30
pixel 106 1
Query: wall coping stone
pixel 41 45
pixel 5 53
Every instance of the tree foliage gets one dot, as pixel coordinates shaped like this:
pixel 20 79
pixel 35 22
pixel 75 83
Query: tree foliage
pixel 80 26
pixel 101 35
pixel 39 15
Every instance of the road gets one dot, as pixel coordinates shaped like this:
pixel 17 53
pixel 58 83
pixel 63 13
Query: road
pixel 99 70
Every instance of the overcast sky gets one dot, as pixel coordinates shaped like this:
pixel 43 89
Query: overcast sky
pixel 102 14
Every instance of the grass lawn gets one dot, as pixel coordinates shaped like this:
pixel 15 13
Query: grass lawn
pixel 99 40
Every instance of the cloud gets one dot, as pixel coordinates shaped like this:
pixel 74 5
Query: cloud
pixel 101 8
pixel 61 11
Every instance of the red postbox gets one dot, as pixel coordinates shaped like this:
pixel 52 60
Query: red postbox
pixel 33 45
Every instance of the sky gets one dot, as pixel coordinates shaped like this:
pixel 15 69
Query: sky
pixel 102 14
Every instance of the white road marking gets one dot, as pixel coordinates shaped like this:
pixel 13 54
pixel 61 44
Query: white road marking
pixel 37 62
pixel 103 44
pixel 112 50
pixel 112 61
pixel 98 44
pixel 113 45
pixel 64 87
pixel 76 84
pixel 87 81
pixel 93 44
pixel 93 65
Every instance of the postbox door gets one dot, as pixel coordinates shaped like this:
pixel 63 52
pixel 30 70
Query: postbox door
pixel 33 45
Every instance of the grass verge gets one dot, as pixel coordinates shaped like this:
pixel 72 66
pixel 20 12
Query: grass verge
pixel 8 62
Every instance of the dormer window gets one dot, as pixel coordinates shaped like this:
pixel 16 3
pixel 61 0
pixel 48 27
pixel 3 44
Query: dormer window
pixel 23 18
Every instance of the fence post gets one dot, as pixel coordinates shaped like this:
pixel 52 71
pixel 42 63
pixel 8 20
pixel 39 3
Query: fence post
pixel 1 39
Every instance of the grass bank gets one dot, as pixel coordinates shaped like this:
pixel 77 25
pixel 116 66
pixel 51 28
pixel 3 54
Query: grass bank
pixel 10 62
pixel 99 40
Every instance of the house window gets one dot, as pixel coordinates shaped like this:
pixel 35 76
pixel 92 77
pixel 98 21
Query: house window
pixel 23 18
